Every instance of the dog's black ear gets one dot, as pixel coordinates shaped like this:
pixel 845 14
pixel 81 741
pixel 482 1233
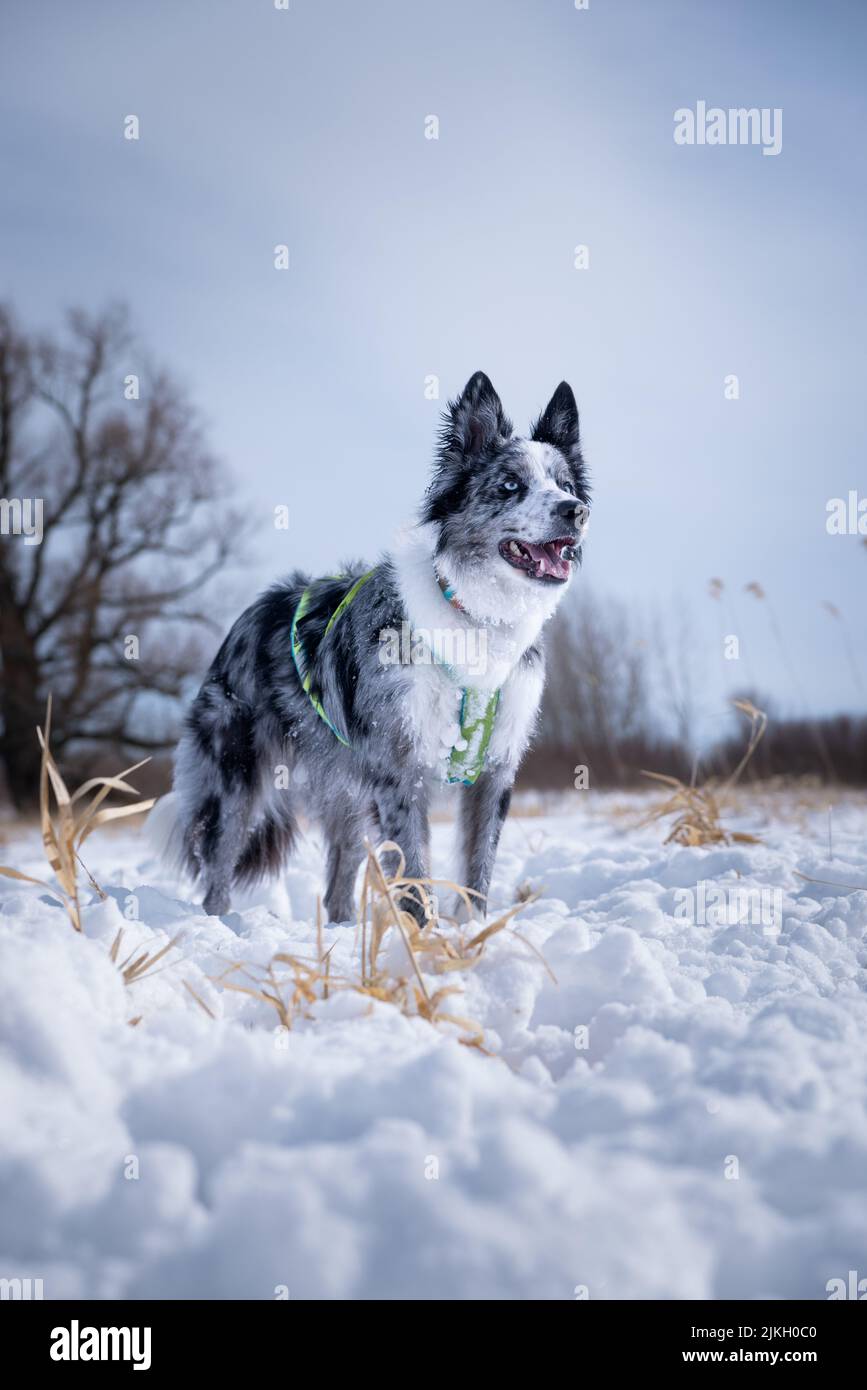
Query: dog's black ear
pixel 474 421
pixel 558 425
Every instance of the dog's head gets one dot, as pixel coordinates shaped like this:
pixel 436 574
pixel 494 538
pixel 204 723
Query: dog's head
pixel 515 508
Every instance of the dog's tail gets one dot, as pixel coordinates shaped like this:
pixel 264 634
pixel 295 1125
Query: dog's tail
pixel 270 841
pixel 267 847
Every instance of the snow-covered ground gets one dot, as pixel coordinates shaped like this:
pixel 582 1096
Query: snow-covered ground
pixel 682 1115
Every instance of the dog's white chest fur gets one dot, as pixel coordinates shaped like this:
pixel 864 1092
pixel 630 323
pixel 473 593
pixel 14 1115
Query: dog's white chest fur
pixel 447 651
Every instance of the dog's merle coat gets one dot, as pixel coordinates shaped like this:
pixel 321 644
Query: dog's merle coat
pixel 255 752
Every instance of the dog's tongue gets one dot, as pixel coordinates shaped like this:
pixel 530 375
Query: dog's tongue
pixel 548 560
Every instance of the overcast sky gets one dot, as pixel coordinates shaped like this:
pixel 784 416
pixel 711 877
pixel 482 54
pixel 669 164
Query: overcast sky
pixel 411 257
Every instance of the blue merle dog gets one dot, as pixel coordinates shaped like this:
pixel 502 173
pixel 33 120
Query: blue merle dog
pixel 300 710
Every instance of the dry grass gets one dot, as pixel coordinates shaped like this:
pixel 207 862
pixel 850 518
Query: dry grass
pixel 135 967
pixel 139 964
pixel 698 810
pixel 72 818
pixel 290 984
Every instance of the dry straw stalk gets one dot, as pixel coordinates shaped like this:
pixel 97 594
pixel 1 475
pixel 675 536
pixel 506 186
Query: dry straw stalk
pixel 290 984
pixel 698 810
pixel 73 817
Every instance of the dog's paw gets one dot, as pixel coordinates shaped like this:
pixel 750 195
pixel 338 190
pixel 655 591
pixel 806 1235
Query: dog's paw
pixel 465 912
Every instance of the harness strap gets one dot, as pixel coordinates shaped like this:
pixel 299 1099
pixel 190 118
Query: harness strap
pixel 478 712
pixel 299 654
pixel 478 707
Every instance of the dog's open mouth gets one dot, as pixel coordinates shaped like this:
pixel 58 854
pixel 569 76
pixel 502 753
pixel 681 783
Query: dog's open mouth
pixel 550 561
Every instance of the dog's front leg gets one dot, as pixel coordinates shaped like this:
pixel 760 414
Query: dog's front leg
pixel 484 806
pixel 401 806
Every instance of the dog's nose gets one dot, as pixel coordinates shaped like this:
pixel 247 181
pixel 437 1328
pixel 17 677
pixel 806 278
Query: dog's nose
pixel 573 510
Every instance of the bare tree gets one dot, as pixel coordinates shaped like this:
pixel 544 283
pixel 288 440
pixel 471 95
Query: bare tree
pixel 676 651
pixel 104 604
pixel 596 693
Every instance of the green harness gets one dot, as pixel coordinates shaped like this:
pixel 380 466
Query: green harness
pixel 478 707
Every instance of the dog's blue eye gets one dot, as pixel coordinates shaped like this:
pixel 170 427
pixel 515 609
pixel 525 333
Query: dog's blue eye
pixel 510 485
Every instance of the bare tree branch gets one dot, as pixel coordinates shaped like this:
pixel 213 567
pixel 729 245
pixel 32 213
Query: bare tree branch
pixel 135 523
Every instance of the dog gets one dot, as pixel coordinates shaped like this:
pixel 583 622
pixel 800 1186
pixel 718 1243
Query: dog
pixel 303 708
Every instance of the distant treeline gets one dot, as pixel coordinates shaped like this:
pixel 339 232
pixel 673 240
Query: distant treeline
pixel 831 750
pixel 623 696
pixel 620 699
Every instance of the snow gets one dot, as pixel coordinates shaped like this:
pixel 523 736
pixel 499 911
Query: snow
pixel 682 1115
